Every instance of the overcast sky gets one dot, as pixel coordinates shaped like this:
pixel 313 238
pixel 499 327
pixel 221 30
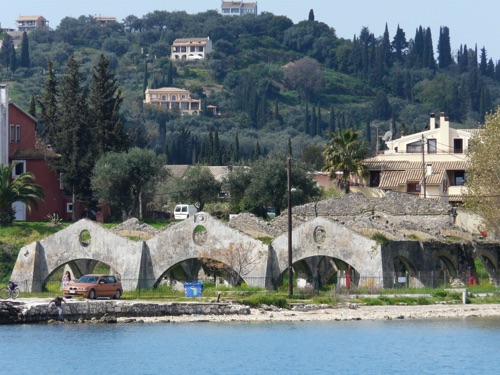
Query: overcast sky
pixel 470 22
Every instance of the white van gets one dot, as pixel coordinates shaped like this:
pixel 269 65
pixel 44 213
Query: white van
pixel 183 211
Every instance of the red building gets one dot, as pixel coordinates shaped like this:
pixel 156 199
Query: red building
pixel 19 144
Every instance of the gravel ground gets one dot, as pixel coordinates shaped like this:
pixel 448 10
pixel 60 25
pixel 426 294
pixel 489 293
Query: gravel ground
pixel 326 313
pixel 354 312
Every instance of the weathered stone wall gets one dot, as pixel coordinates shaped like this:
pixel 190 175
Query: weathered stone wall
pixel 18 312
pixel 396 215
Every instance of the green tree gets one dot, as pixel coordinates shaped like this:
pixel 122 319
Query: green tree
pixel 25 52
pixel 105 101
pixel 311 15
pixel 5 50
pixel 483 175
pixel 20 189
pixel 48 102
pixel 71 137
pixel 268 186
pixel 127 180
pixel 444 48
pixel 199 187
pixel 344 153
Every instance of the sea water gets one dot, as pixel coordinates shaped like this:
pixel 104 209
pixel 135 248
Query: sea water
pixel 445 346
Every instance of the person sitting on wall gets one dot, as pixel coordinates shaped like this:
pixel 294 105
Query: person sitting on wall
pixel 57 303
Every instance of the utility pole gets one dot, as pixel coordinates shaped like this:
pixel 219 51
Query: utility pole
pixel 289 191
pixel 423 168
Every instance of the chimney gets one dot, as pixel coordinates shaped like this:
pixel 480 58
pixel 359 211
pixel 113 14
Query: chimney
pixel 432 122
pixel 429 169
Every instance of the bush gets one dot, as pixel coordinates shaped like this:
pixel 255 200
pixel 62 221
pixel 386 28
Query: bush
pixel 439 293
pixel 267 299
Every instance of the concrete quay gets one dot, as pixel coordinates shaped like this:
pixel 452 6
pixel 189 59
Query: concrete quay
pixel 108 311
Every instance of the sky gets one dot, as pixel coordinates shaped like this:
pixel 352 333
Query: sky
pixel 470 22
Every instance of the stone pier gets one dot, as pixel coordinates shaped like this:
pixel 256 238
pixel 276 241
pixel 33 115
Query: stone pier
pixel 12 312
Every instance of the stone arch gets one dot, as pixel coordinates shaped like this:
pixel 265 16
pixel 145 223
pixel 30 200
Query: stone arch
pixel 322 270
pixel 324 237
pixel 177 244
pixel 38 260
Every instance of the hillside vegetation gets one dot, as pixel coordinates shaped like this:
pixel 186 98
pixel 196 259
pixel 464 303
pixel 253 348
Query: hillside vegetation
pixel 395 79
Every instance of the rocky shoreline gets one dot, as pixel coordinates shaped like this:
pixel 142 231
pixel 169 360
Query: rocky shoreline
pixel 106 311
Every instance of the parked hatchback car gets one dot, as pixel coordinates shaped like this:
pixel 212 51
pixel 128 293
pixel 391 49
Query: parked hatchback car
pixel 94 286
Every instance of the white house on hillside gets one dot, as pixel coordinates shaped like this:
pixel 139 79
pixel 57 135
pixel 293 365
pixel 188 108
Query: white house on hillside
pixel 431 163
pixel 191 49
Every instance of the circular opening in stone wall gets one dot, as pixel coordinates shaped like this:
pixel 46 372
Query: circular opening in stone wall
pixel 84 237
pixel 319 234
pixel 199 235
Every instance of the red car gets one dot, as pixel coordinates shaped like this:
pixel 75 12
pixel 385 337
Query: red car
pixel 94 286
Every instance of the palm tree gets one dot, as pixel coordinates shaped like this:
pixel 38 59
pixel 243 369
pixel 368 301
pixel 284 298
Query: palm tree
pixel 344 153
pixel 20 189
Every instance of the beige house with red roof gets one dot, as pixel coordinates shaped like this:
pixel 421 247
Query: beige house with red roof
pixel 28 23
pixel 191 49
pixel 431 164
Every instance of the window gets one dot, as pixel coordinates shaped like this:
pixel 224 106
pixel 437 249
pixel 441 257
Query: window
pixel 19 168
pixel 15 133
pixel 61 183
pixel 174 97
pixel 414 147
pixel 431 146
pixel 12 133
pixel 459 178
pixel 458 146
pixel 164 97
pixel 413 188
pixel 184 106
pixel 374 178
pixel 69 207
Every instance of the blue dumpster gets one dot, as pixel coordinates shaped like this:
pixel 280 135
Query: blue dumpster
pixel 193 289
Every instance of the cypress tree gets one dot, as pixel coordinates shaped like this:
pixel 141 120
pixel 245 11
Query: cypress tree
pixel 332 120
pixel 217 150
pixel 105 102
pixel 25 53
pixel 319 128
pixel 170 75
pixel 49 111
pixel 12 58
pixel 5 51
pixel 399 44
pixel 428 52
pixel 290 151
pixel 444 48
pixel 146 77
pixel 257 151
pixel 307 124
pixel 311 15
pixel 72 137
pixel 32 107
pixel 483 64
pixel 314 122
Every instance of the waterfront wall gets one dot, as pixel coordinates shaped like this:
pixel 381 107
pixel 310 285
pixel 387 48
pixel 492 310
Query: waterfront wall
pixel 109 310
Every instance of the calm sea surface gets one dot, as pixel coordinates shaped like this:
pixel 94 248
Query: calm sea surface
pixel 452 346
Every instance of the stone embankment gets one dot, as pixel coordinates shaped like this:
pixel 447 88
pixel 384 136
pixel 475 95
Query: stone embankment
pixel 109 310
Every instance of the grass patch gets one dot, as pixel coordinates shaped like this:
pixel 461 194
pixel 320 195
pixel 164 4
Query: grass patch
pixel 256 300
pixel 379 238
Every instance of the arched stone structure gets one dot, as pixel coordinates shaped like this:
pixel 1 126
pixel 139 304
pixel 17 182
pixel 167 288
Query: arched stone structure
pixel 324 237
pixel 183 241
pixel 38 260
pixel 318 244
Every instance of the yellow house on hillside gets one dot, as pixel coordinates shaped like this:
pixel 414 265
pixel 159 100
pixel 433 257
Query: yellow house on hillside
pixel 172 97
